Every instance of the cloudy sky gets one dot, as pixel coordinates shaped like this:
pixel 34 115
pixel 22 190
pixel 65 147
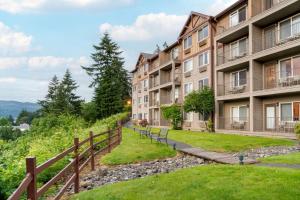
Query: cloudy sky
pixel 41 38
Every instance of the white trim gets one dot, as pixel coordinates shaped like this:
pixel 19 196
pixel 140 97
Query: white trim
pixel 191 59
pixel 208 57
pixel 292 103
pixel 247 109
pixel 237 11
pixel 192 116
pixel 206 25
pixel 191 42
pixel 203 80
pixel 292 66
pixel 238 46
pixel 291 21
pixel 238 72
pixel 189 83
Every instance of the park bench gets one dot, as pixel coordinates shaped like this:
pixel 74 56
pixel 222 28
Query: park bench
pixel 146 132
pixel 162 135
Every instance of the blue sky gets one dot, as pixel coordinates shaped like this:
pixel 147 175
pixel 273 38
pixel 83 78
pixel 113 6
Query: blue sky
pixel 41 38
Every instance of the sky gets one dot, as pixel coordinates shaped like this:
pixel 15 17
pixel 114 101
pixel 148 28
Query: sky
pixel 43 38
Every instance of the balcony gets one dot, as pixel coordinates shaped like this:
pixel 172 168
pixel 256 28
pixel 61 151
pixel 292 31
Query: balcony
pixel 233 88
pixel 233 52
pixel 278 125
pixel 233 123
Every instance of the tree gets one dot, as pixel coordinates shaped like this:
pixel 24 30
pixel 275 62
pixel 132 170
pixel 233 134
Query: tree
pixel 11 120
pixel 111 81
pixel 4 122
pixel 89 111
pixel 173 114
pixel 26 117
pixel 202 102
pixel 61 97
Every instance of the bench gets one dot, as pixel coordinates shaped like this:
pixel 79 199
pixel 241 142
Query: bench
pixel 162 135
pixel 145 132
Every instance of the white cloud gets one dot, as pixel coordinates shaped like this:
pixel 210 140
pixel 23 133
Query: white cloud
pixel 7 80
pixel 146 27
pixel 18 6
pixel 12 41
pixel 219 5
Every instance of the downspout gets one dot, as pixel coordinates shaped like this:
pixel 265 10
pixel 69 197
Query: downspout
pixel 212 61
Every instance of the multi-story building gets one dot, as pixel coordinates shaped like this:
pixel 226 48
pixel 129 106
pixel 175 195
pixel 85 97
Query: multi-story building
pixel 257 73
pixel 140 88
pixel 249 54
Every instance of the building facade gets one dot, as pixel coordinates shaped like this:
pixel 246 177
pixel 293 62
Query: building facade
pixel 249 53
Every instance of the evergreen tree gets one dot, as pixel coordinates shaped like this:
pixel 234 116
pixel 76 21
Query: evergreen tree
pixel 110 80
pixel 48 103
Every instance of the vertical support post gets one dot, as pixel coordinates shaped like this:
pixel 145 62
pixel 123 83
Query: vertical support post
pixel 119 132
pixel 31 168
pixel 76 165
pixel 109 140
pixel 92 151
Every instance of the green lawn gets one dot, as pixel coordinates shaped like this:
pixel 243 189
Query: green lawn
pixel 293 158
pixel 225 142
pixel 215 182
pixel 134 149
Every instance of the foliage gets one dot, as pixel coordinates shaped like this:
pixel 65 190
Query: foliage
pixel 225 142
pixel 8 133
pixel 89 111
pixel 26 117
pixel 201 101
pixel 111 80
pixel 292 159
pixel 61 97
pixel 209 182
pixel 4 121
pixel 135 149
pixel 173 114
pixel 143 123
pixel 48 136
pixel 297 130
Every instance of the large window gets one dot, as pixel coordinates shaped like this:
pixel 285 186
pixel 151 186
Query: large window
pixel 187 42
pixel 146 67
pixel 145 83
pixel 239 78
pixel 203 33
pixel 203 83
pixel 203 117
pixel 289 67
pixel 176 93
pixel 145 115
pixel 175 53
pixel 188 65
pixel 289 28
pixel 239 114
pixel 146 98
pixel 238 48
pixel 188 116
pixel 290 111
pixel 188 88
pixel 238 16
pixel 140 100
pixel 204 59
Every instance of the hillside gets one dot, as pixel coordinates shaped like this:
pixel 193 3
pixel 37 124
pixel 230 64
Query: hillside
pixel 14 108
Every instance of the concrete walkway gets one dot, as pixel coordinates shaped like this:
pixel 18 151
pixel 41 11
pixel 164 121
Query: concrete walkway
pixel 223 158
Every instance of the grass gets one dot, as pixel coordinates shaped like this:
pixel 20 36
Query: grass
pixel 292 158
pixel 133 149
pixel 206 183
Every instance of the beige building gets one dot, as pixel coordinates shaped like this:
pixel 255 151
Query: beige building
pixel 249 53
pixel 257 73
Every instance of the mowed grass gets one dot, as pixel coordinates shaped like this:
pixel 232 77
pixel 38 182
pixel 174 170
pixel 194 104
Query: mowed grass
pixel 134 149
pixel 216 182
pixel 292 158
pixel 225 142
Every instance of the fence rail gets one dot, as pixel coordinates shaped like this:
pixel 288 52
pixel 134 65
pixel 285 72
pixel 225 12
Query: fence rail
pixel 72 169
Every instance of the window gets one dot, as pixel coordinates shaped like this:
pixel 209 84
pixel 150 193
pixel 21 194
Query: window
pixel 204 59
pixel 140 116
pixel 156 96
pixel 145 83
pixel 203 33
pixel 175 53
pixel 268 4
pixel 289 28
pixel 238 16
pixel 289 67
pixel 134 116
pixel 188 88
pixel 239 114
pixel 269 37
pixel 145 115
pixel 139 100
pixel 146 98
pixel 203 83
pixel 286 113
pixel 296 111
pixel 176 93
pixel 187 43
pixel 238 48
pixel 146 67
pixel 203 117
pixel 188 116
pixel 188 65
pixel 239 78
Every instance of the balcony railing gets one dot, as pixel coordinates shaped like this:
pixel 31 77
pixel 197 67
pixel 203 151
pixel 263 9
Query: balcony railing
pixel 277 124
pixel 233 123
pixel 232 53
pixel 232 88
pixel 266 5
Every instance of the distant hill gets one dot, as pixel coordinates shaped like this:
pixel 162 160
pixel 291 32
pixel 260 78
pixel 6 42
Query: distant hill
pixel 14 108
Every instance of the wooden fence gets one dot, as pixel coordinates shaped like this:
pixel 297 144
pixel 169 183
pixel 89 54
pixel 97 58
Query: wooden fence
pixel 72 169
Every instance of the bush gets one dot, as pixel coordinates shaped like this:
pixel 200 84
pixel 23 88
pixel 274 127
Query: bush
pixel 143 123
pixel 173 114
pixel 297 130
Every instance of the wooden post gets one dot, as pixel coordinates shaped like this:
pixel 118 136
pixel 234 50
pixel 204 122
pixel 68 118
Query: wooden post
pixel 76 165
pixel 31 168
pixel 120 132
pixel 92 151
pixel 109 140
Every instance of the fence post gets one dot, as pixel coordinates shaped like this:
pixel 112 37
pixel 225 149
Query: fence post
pixel 76 165
pixel 119 132
pixel 31 168
pixel 109 140
pixel 92 151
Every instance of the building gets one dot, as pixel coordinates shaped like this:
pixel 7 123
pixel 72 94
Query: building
pixel 249 54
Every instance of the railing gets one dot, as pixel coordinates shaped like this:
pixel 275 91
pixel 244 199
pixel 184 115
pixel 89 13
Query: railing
pixel 266 5
pixel 230 88
pixel 228 54
pixel 72 169
pixel 234 123
pixel 273 36
pixel 281 125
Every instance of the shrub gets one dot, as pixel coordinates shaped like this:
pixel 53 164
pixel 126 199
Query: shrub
pixel 143 123
pixel 173 114
pixel 297 130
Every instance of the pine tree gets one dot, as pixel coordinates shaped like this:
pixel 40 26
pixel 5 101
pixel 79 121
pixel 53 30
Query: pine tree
pixel 48 103
pixel 110 80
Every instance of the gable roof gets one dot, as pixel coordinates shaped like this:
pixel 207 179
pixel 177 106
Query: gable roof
pixel 223 12
pixel 147 56
pixel 189 20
